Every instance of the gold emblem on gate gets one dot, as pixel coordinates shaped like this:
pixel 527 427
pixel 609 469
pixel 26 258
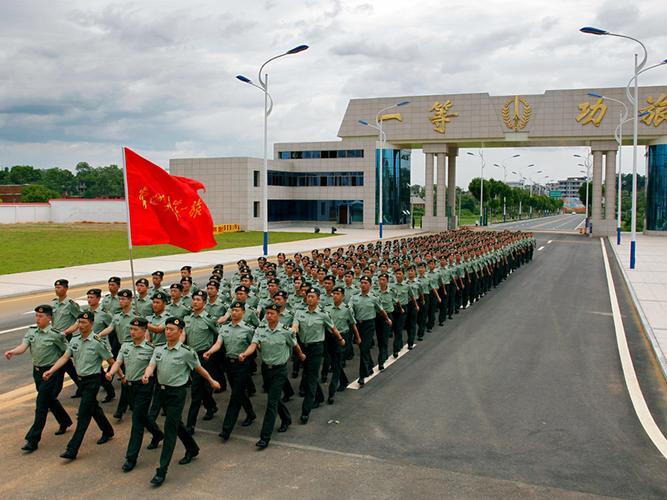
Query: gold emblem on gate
pixel 516 113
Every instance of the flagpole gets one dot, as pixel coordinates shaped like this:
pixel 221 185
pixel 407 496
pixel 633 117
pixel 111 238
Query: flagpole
pixel 129 231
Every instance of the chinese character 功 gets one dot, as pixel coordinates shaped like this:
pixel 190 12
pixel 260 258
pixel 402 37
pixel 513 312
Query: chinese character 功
pixel 592 114
pixel 656 111
pixel 441 117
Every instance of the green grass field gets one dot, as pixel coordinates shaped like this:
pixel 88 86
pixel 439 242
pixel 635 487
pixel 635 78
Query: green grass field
pixel 31 247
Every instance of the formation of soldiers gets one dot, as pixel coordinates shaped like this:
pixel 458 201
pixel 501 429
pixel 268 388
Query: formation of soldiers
pixel 309 310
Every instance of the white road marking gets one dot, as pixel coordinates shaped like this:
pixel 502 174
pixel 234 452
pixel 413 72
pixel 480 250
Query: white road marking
pixel 376 371
pixel 635 392
pixel 549 241
pixel 540 249
pixel 14 329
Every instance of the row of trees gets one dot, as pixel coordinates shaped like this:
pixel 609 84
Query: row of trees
pixel 85 182
pixel 626 199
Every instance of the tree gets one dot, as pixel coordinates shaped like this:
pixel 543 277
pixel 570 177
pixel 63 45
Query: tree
pixel 418 191
pixel 60 180
pixel 36 193
pixel 24 174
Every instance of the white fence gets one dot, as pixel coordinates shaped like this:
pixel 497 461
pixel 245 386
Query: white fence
pixel 64 211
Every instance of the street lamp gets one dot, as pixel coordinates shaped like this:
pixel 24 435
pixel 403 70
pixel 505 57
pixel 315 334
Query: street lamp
pixel 268 107
pixel 481 189
pixel 502 164
pixel 587 164
pixel 635 102
pixel 383 139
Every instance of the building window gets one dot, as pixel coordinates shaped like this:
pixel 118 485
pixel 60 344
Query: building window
pixel 329 154
pixel 315 179
pixel 255 178
pixel 255 209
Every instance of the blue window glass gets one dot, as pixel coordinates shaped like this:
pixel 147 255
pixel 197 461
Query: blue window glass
pixel 329 154
pixel 329 211
pixel 656 188
pixel 301 179
pixel 395 186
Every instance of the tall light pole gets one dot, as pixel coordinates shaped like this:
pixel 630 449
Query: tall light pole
pixel 268 107
pixel 480 154
pixel 587 164
pixel 383 139
pixel 503 164
pixel 634 99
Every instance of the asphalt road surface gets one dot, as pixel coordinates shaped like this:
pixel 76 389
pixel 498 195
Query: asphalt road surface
pixel 521 395
pixel 557 223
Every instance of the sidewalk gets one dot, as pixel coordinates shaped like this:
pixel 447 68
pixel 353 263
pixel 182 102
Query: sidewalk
pixel 37 281
pixel 648 286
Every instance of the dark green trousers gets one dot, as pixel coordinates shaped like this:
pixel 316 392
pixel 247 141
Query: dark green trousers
pixel 238 374
pixel 173 401
pixel 89 409
pixel 411 323
pixel 336 354
pixel 311 376
pixel 398 325
pixel 202 393
pixel 139 396
pixel 367 332
pixel 274 378
pixel 47 399
pixel 421 317
pixel 382 332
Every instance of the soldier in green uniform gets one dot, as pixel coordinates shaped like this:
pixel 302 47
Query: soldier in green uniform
pixel 275 343
pixel 413 306
pixel 424 304
pixel 434 296
pixel 343 318
pixel 143 302
pixel 174 363
pixel 110 302
pixel 186 299
pixel 404 296
pixel 311 325
pixel 88 351
pixel 65 313
pixel 387 298
pixel 235 337
pixel 156 284
pixel 215 305
pixel 201 333
pixel 155 333
pixel 134 357
pixel 46 346
pixel 102 320
pixel 366 307
pixel 176 307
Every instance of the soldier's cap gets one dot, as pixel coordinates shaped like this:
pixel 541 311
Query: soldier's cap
pixel 339 289
pixel 364 278
pixel 281 293
pixel 97 292
pixel 45 309
pixel 215 277
pixel 140 322
pixel 142 281
pixel 158 273
pixel 114 279
pixel 384 275
pixel 174 321
pixel 237 303
pixel 61 282
pixel 186 268
pixel 161 296
pixel 200 293
pixel 272 307
pixel 241 288
pixel 314 290
pixel 186 278
pixel 273 281
pixel 261 259
pixel 270 273
pixel 241 262
pixel 89 315
pixel 329 277
pixel 125 293
pixel 281 254
pixel 246 276
pixel 177 286
pixel 214 284
pixel 351 273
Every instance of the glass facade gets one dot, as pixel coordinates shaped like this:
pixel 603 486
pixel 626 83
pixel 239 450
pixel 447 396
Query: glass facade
pixel 656 188
pixel 334 211
pixel 302 179
pixel 328 154
pixel 395 186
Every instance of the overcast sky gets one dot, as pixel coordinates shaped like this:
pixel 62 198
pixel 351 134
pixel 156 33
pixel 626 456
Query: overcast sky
pixel 80 78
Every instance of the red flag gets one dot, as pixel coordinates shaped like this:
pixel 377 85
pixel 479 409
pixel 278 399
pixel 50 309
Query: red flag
pixel 165 208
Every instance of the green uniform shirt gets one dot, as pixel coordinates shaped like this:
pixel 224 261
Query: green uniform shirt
pixel 186 300
pixel 365 307
pixel 342 316
pixel 387 299
pixel 121 324
pixel 110 304
pixel 135 359
pixel 402 292
pixel 415 288
pixel 312 325
pixel 445 274
pixel 216 309
pixel 65 313
pixel 286 317
pixel 350 291
pixel 174 365
pixel 236 337
pixel 144 307
pixel 46 345
pixel 275 346
pixel 200 331
pixel 102 319
pixel 325 301
pixel 87 354
pixel 433 278
pixel 178 310
pixel 157 320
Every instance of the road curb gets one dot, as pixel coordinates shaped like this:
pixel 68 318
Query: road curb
pixel 655 346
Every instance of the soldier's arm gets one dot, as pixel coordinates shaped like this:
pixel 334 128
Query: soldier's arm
pixel 71 328
pixel 106 331
pixel 214 348
pixel 18 350
pixel 299 353
pixel 207 376
pixel 56 366
pixel 114 369
pixel 248 352
pixel 148 372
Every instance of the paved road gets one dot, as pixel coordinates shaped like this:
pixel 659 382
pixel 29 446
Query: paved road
pixel 558 223
pixel 521 395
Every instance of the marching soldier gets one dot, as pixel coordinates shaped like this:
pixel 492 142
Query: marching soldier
pixel 110 302
pixel 87 351
pixel 404 295
pixel 134 357
pixel 65 313
pixel 275 343
pixel 102 320
pixel 143 301
pixel 46 347
pixel 343 318
pixel 174 363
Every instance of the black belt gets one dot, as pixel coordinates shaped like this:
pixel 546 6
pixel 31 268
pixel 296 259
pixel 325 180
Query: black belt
pixel 313 343
pixel 270 367
pixel 130 383
pixel 164 386
pixel 234 360
pixel 88 377
pixel 42 368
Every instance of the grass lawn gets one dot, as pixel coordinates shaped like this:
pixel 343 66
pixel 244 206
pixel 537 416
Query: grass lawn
pixel 31 247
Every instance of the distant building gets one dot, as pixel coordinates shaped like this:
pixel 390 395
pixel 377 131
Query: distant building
pixel 569 188
pixel 11 193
